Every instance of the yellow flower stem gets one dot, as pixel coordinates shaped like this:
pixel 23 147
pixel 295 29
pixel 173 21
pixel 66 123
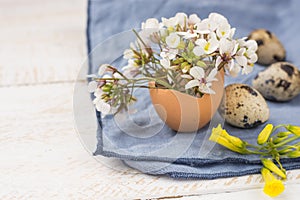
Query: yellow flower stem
pixel 286 141
pixel 278 126
pixel 279 163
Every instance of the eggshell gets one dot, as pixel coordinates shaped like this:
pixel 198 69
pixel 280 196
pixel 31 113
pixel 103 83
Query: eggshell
pixel 279 82
pixel 243 106
pixel 270 49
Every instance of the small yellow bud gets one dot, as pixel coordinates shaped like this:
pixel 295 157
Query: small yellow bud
pixel 235 140
pixel 294 154
pixel 106 88
pixel 265 134
pixel 273 187
pixel 293 129
pixel 221 137
pixel 272 167
pixel 279 139
pixel 283 134
pixel 178 61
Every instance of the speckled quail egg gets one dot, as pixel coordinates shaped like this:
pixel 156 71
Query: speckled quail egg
pixel 270 49
pixel 243 106
pixel 279 82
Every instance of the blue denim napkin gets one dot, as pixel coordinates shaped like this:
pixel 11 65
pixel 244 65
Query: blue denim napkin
pixel 139 137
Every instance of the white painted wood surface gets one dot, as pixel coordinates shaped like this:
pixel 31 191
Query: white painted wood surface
pixel 42 47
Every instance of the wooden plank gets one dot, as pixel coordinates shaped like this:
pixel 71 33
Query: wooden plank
pixel 41 41
pixel 41 157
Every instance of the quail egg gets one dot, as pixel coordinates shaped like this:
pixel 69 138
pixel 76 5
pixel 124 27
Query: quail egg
pixel 279 82
pixel 243 106
pixel 270 49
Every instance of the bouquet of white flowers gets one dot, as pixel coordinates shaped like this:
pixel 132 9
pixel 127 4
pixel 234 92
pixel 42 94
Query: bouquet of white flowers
pixel 182 53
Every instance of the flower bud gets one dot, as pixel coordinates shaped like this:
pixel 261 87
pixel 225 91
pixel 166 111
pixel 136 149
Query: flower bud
pixel 221 137
pixel 279 139
pixel 293 129
pixel 235 140
pixel 294 154
pixel 178 61
pixel 265 134
pixel 106 88
pixel 283 134
pixel 272 167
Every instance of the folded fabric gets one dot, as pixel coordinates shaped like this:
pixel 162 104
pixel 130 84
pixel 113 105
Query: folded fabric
pixel 140 138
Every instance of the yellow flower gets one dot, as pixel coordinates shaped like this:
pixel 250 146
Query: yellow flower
pixel 272 167
pixel 265 134
pixel 221 137
pixel 273 187
pixel 293 129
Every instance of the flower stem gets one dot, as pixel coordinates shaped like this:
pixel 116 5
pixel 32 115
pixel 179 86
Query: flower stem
pixel 286 141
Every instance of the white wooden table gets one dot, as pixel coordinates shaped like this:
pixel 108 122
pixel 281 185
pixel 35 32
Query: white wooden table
pixel 42 47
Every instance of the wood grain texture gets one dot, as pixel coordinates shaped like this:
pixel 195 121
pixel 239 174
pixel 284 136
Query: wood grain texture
pixel 41 156
pixel 41 41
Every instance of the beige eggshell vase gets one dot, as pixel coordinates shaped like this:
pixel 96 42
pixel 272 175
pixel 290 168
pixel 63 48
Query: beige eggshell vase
pixel 183 112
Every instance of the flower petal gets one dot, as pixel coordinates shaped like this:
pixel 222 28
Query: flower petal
pixel 197 72
pixel 103 107
pixel 241 60
pixel 92 86
pixel 191 84
pixel 102 69
pixel 212 75
pixel 165 62
pixel 198 51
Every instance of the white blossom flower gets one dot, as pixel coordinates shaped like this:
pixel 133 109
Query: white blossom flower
pixel 173 40
pixel 247 69
pixel 203 27
pixel 171 22
pixel 181 19
pixel 165 62
pixel 206 47
pixel 151 23
pixel 149 27
pixel 227 50
pixel 216 20
pixel 131 69
pixel 251 45
pixel 203 83
pixel 235 70
pixel 128 54
pixel 188 34
pixel 240 57
pixel 242 41
pixel 169 53
pixel 92 86
pixel 193 19
pixel 224 31
pixel 100 104
pixel 102 69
